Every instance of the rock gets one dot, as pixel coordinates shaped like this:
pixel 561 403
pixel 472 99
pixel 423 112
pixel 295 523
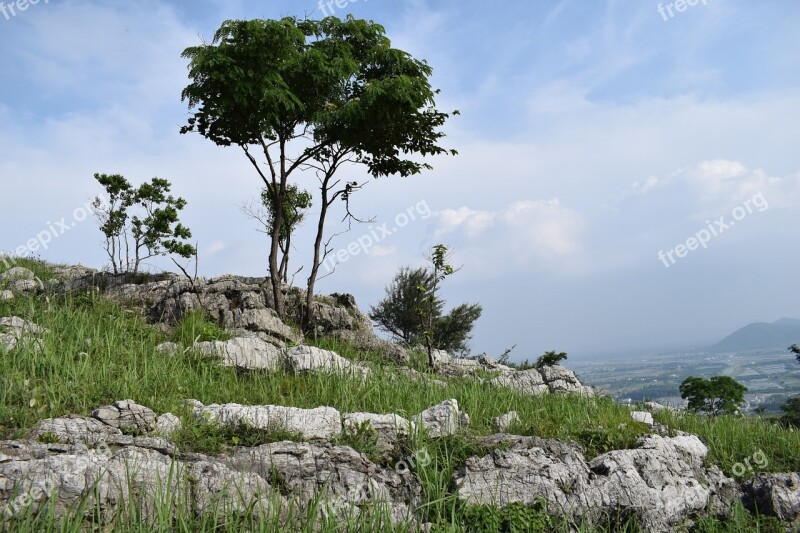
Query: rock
pixel 320 424
pixel 389 427
pixel 655 407
pixel 266 321
pixel 18 274
pixel 169 348
pixel 443 419
pixel 415 375
pixel 127 416
pixel 6 295
pixel 312 359
pixel 663 481
pixel 244 352
pixel 25 285
pixel 13 330
pixel 105 480
pixel 562 380
pixel 643 416
pixel 528 382
pixel 167 424
pixel 441 358
pixel 504 422
pixel 775 495
pixel 344 478
pixel 74 429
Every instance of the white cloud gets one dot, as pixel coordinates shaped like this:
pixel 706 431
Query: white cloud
pixel 382 251
pixel 472 221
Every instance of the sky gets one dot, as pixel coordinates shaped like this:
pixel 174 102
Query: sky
pixel 628 175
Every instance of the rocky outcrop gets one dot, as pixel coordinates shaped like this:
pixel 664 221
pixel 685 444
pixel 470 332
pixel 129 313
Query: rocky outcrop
pixel 243 352
pixel 127 416
pixel 241 305
pixel 262 479
pixel 775 495
pixel 252 353
pixel 443 419
pixel 321 424
pixel 504 422
pixel 663 482
pixel 18 280
pixel 389 428
pixel 14 330
pixel 528 382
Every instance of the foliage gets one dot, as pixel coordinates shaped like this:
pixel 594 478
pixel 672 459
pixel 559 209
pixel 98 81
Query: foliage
pixel 715 396
pixel 550 358
pixel 295 205
pixel 131 238
pixel 327 92
pixel 791 410
pixel 411 307
pixel 795 349
pixel 195 327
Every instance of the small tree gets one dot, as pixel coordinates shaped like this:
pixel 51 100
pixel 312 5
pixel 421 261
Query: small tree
pixel 715 396
pixel 154 230
pixel 791 412
pixel 398 313
pixel 550 358
pixel 795 349
pixel 412 312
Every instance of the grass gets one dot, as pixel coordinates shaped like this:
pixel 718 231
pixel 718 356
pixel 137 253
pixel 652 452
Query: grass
pixel 96 352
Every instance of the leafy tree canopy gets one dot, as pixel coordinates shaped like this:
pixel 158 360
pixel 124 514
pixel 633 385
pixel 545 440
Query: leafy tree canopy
pixel 715 396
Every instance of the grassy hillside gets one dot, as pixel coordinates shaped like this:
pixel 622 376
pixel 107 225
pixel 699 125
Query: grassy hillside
pixel 96 352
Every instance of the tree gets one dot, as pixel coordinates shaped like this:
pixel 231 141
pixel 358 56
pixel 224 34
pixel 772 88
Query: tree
pixel 412 312
pixel 398 313
pixel 715 396
pixel 550 358
pixel 296 205
pixel 791 410
pixel 795 349
pixel 155 230
pixel 328 92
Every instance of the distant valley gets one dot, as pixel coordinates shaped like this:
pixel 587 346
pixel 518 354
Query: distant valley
pixel 756 355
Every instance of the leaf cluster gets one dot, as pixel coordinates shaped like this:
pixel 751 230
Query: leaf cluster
pixel 715 396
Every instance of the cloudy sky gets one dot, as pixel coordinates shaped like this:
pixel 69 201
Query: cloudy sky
pixel 628 176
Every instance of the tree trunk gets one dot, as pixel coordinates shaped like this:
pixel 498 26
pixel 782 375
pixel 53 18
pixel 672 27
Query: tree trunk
pixel 308 315
pixel 274 268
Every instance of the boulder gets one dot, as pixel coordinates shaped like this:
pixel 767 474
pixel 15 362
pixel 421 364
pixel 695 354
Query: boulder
pixel 167 424
pixel 311 359
pixel 13 330
pixel 389 428
pixel 320 424
pixel 775 495
pixel 243 352
pixel 127 416
pixel 17 274
pixel 528 382
pixel 504 422
pixel 442 419
pixel 6 295
pixel 663 482
pixel 643 416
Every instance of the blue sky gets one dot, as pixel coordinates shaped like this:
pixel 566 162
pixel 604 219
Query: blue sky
pixel 593 135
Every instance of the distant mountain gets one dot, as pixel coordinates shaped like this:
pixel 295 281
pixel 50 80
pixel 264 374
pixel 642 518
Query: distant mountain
pixel 762 335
